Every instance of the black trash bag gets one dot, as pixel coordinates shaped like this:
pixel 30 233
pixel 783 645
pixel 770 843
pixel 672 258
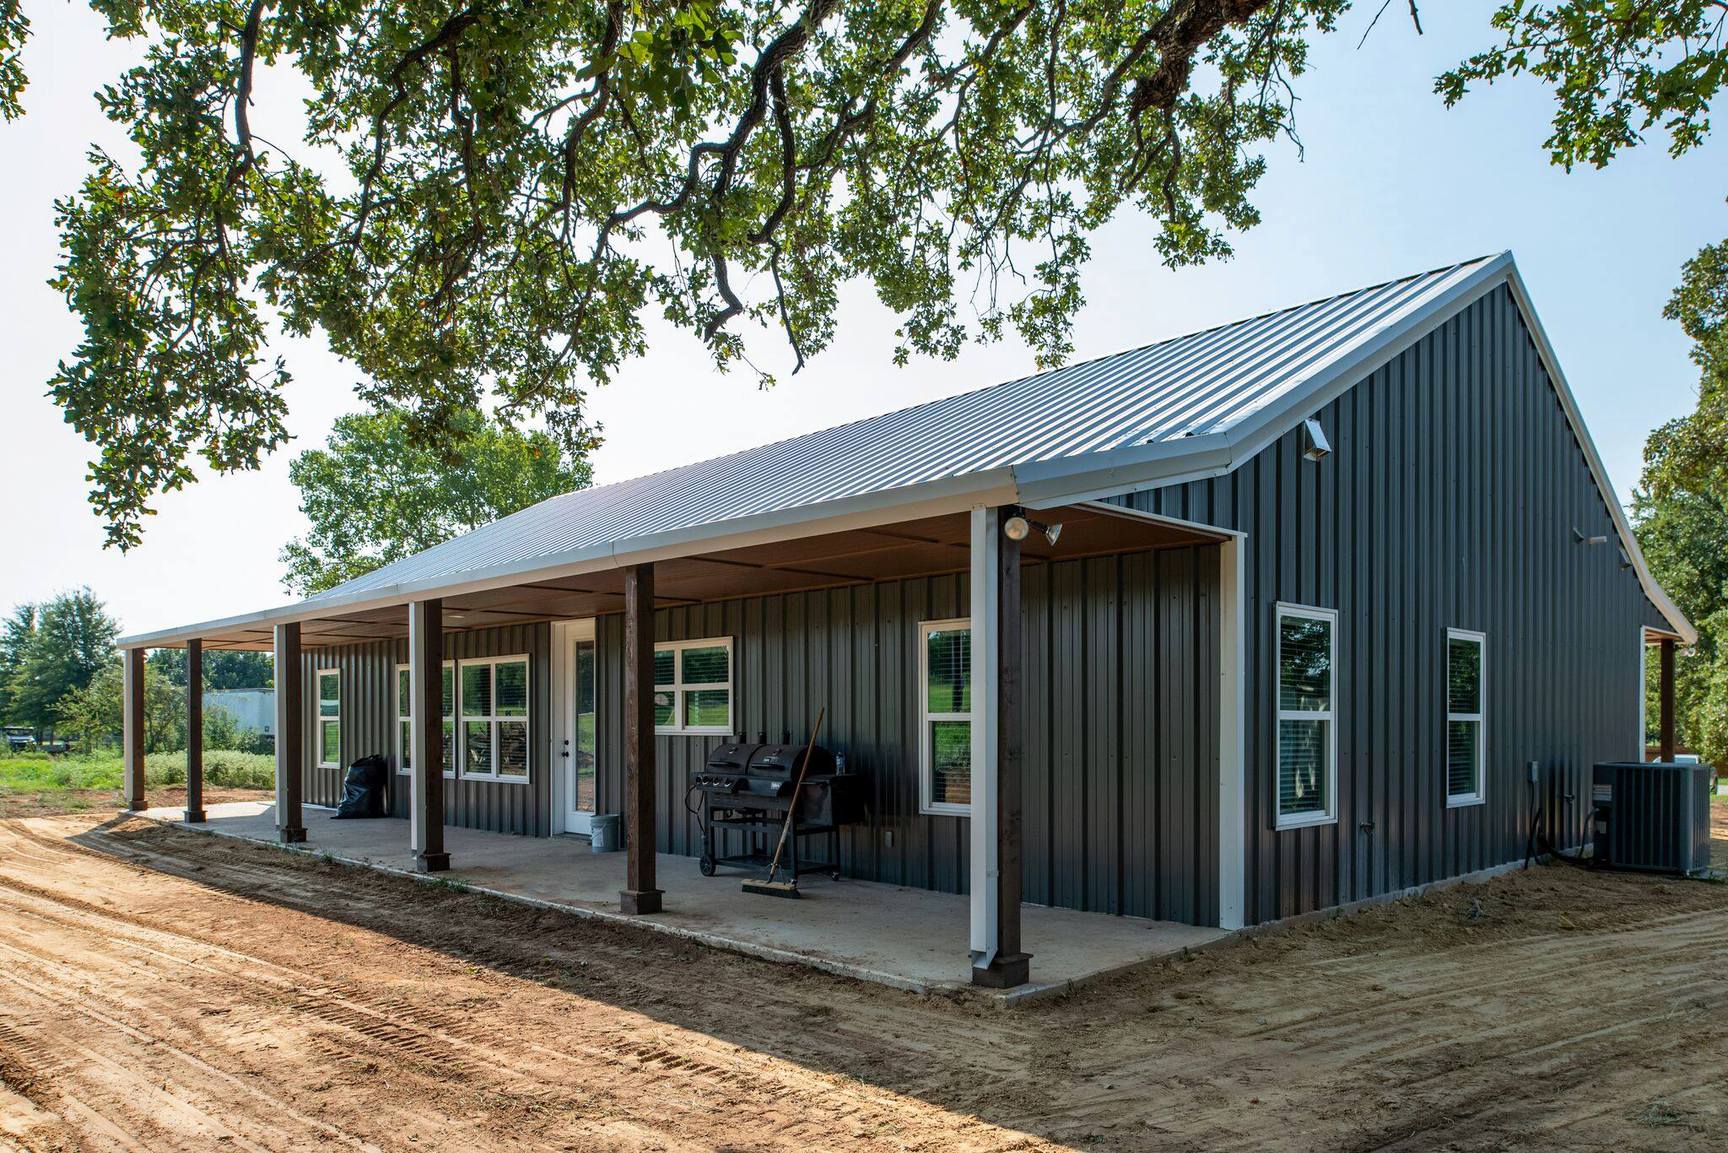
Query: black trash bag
pixel 363 788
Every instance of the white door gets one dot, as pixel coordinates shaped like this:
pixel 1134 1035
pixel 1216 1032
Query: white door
pixel 580 752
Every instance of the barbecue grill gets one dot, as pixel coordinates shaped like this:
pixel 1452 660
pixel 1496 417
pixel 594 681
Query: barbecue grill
pixel 748 789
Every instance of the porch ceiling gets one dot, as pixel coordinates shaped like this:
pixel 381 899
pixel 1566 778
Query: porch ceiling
pixel 925 547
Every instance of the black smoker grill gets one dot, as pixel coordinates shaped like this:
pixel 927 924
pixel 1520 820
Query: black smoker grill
pixel 748 789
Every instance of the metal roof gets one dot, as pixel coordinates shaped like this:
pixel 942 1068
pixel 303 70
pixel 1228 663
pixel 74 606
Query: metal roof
pixel 1189 406
pixel 1204 382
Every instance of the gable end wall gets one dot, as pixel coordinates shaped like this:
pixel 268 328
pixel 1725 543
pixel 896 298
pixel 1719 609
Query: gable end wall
pixel 1449 500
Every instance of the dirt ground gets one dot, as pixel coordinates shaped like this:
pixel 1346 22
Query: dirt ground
pixel 167 990
pixel 52 801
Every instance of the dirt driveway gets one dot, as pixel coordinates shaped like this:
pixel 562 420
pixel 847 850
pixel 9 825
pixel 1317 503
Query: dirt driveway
pixel 163 989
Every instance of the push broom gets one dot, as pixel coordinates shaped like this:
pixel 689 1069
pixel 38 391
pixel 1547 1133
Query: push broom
pixel 771 887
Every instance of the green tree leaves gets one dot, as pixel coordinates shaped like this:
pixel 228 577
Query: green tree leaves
pixel 47 651
pixel 1680 510
pixel 381 490
pixel 14 31
pixel 518 184
pixel 1617 67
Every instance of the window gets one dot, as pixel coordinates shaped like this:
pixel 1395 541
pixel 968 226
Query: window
pixel 329 718
pixel 1307 756
pixel 693 686
pixel 1466 752
pixel 405 718
pixel 494 705
pixel 945 716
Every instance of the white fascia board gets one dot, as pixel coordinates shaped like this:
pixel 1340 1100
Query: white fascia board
pixel 868 510
pixel 1164 464
pixel 1123 512
pixel 1036 484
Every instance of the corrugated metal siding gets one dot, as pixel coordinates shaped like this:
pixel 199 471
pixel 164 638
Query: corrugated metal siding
pixel 1121 742
pixel 365 718
pixel 1449 500
pixel 369 713
pixel 1199 383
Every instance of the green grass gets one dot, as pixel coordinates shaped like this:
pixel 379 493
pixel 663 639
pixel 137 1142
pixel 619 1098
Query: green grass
pixel 35 772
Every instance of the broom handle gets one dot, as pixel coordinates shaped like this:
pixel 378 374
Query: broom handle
pixel 792 809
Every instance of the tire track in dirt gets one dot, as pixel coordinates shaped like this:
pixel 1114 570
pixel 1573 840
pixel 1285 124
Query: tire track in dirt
pixel 405 1030
pixel 400 1030
pixel 471 1024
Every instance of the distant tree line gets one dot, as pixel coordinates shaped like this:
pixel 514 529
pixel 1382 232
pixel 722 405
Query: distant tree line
pixel 1680 511
pixel 61 675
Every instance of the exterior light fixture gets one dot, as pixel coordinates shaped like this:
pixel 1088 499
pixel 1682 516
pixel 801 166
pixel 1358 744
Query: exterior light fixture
pixel 1019 527
pixel 1315 446
pixel 1591 540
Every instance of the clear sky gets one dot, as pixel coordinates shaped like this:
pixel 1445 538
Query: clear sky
pixel 1392 183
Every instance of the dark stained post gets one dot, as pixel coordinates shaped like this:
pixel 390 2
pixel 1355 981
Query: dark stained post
pixel 639 894
pixel 194 731
pixel 290 736
pixel 426 744
pixel 1666 693
pixel 132 729
pixel 1010 966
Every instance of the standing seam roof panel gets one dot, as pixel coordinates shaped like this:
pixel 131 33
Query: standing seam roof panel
pixel 1203 382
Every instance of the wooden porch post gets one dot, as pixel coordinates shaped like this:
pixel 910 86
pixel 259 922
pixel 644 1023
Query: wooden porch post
pixel 290 736
pixel 194 731
pixel 1666 693
pixel 132 729
pixel 426 745
pixel 998 960
pixel 640 894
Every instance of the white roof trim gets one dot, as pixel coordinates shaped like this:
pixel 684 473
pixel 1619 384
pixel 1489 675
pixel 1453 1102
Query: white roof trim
pixel 1164 464
pixel 953 494
pixel 1063 480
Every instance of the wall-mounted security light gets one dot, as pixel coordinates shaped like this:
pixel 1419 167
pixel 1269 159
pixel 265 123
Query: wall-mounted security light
pixel 1018 527
pixel 1315 446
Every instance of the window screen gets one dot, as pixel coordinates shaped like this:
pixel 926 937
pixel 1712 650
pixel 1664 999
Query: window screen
pixel 405 718
pixel 494 704
pixel 329 717
pixel 1466 757
pixel 946 699
pixel 1306 696
pixel 693 686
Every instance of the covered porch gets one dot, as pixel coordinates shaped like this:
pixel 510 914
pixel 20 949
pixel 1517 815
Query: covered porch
pixel 911 939
pixel 980 551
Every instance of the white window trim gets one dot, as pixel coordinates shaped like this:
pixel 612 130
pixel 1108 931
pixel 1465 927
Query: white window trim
pixel 463 718
pixel 678 687
pixel 319 719
pixel 1463 800
pixel 926 753
pixel 1330 716
pixel 401 759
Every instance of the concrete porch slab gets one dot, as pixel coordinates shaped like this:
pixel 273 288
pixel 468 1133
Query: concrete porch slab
pixel 910 939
